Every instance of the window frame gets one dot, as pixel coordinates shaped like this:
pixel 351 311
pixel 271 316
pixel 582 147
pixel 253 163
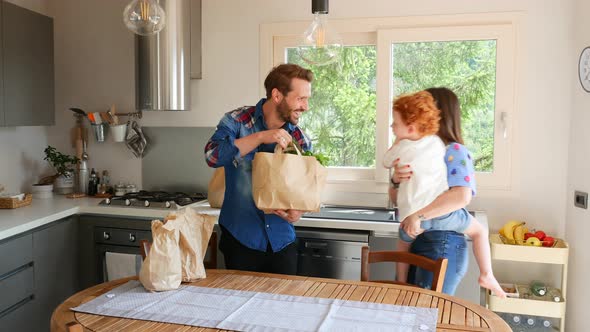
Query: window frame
pixel 504 98
pixel 275 37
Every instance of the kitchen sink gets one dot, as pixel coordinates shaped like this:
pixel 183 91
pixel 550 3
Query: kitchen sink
pixel 354 213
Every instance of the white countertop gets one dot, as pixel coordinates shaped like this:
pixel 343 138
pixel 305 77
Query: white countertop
pixel 47 210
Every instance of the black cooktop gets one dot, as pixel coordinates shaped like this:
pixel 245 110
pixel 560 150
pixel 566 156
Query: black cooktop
pixel 155 199
pixel 164 196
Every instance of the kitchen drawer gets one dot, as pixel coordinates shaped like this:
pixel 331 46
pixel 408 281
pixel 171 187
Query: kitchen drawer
pixel 20 317
pixel 124 237
pixel 15 253
pixel 15 287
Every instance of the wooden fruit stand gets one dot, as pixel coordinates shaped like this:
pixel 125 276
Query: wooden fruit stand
pixel 558 254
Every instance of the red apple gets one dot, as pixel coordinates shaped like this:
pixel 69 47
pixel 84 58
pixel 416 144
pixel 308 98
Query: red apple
pixel 540 235
pixel 548 241
pixel 527 235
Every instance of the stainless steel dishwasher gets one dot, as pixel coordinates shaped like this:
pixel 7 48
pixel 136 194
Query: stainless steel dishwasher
pixel 330 253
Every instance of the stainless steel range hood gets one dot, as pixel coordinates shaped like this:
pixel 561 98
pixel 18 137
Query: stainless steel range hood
pixel 162 81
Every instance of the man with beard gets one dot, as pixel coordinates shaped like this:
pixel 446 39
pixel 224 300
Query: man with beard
pixel 250 239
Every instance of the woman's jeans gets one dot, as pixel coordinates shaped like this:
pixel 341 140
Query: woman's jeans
pixel 440 244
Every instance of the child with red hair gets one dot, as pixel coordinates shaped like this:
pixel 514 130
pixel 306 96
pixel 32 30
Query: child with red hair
pixel 416 121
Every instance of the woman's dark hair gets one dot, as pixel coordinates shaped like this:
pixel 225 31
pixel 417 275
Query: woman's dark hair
pixel 280 78
pixel 450 115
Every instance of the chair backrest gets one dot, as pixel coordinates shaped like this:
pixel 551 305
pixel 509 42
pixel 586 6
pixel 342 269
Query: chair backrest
pixel 145 246
pixel 437 267
pixel 209 262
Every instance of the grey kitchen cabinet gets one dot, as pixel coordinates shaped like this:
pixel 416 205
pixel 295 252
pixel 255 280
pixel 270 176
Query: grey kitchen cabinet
pixel 16 283
pixel 27 71
pixel 55 254
pixel 38 271
pixel 196 40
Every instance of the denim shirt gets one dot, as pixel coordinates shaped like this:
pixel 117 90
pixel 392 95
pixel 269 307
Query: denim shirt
pixel 239 215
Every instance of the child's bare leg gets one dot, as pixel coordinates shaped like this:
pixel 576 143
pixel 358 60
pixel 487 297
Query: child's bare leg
pixel 481 250
pixel 402 268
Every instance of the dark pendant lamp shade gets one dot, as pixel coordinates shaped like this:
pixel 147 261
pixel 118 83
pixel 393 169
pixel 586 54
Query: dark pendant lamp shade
pixel 319 6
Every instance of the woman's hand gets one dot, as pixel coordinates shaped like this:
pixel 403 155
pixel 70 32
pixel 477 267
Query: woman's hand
pixel 289 215
pixel 411 225
pixel 401 172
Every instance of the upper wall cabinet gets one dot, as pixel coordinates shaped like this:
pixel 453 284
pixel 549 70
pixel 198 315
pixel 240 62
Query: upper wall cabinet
pixel 196 39
pixel 26 74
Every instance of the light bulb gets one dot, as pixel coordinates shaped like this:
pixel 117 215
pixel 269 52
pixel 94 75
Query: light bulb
pixel 144 17
pixel 320 44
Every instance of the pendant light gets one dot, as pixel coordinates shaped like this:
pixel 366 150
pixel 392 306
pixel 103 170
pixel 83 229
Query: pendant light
pixel 144 17
pixel 320 44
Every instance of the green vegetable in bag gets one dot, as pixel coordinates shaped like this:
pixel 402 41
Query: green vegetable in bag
pixel 322 159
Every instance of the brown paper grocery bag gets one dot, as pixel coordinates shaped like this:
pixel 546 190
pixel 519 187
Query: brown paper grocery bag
pixel 216 189
pixel 287 181
pixel 161 269
pixel 195 230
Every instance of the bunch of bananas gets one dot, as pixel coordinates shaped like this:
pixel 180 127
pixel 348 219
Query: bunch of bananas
pixel 513 232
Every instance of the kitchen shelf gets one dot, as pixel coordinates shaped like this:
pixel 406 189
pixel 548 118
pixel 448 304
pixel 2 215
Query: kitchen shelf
pixel 510 252
pixel 533 307
pixel 557 254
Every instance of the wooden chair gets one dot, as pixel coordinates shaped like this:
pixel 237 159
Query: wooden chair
pixel 210 263
pixel 437 267
pixel 74 327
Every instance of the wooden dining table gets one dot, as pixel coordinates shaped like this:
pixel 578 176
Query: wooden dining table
pixel 454 314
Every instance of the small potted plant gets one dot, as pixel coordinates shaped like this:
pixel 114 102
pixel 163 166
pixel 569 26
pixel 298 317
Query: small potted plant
pixel 63 165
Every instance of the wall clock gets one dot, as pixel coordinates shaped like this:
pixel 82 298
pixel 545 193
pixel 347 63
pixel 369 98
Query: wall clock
pixel 584 69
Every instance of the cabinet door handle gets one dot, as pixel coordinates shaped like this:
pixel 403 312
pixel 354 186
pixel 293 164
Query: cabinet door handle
pixel 316 245
pixel 131 237
pixel 106 235
pixel 16 271
pixel 17 305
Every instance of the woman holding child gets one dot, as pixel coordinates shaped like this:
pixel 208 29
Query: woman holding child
pixel 433 182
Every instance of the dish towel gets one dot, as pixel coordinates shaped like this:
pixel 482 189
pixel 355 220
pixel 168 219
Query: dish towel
pixel 121 265
pixel 135 139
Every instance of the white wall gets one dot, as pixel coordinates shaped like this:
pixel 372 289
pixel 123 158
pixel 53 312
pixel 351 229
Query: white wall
pixel 577 220
pixel 94 68
pixel 21 148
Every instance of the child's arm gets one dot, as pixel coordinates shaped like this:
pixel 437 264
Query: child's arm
pixel 411 225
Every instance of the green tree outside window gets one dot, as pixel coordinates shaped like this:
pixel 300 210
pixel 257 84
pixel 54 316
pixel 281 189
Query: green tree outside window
pixel 342 117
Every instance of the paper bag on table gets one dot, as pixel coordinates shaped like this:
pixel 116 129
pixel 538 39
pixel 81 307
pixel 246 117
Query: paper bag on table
pixel 195 230
pixel 216 189
pixel 161 270
pixel 287 181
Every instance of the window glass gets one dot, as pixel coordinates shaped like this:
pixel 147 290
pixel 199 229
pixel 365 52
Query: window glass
pixel 341 120
pixel 466 67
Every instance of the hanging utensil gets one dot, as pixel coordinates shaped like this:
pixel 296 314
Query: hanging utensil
pixel 113 112
pixel 77 110
pixel 109 117
pixel 135 139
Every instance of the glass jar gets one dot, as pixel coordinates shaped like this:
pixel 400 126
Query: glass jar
pixel 130 188
pixel 120 189
pixel 538 288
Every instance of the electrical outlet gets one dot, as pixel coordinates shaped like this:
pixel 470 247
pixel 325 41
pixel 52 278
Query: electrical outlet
pixel 581 199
